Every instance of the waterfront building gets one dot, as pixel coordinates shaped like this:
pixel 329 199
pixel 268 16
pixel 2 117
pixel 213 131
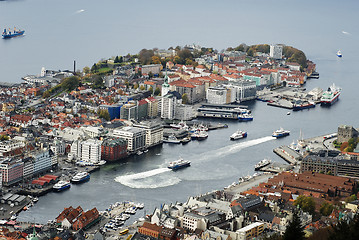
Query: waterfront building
pixel 113 149
pixel 135 137
pixel 86 219
pixel 68 216
pixel 243 90
pixel 184 112
pixel 28 167
pixel 154 132
pixel 217 95
pixel 43 160
pixel 91 151
pixel 257 78
pixel 346 132
pixel 93 132
pixel 276 51
pixel 167 216
pixel 293 66
pixel 12 171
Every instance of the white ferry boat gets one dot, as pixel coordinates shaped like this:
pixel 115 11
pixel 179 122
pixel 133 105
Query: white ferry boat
pixel 80 177
pixel 280 133
pixel 262 163
pixel 180 163
pixel 61 186
pixel 238 135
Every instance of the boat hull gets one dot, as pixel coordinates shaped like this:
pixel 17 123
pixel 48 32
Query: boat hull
pixel 238 137
pixel 329 103
pixel 62 188
pixel 82 180
pixel 7 36
pixel 177 167
pixel 280 135
pixel 301 107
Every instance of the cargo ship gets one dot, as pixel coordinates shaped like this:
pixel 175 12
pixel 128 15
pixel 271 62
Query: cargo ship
pixel 61 186
pixel 238 135
pixel 280 133
pixel 330 96
pixel 180 163
pixel 80 177
pixel 11 34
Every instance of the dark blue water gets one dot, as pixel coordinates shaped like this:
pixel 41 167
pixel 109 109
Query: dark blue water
pixel 58 32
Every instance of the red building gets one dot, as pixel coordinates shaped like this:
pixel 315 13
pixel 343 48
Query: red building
pixel 113 149
pixel 86 219
pixel 70 214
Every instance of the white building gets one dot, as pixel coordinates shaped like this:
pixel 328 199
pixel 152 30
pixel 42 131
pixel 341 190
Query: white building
pixel 275 51
pixel 169 103
pixel 43 161
pixel 217 95
pixel 91 151
pixel 135 137
pixel 154 132
pixel 243 90
pixel 58 147
pixel 184 112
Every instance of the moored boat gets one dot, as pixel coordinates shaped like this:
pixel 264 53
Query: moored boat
pixel 80 177
pixel 262 163
pixel 199 135
pixel 303 105
pixel 238 135
pixel 185 140
pixel 61 186
pixel 245 117
pixel 330 96
pixel 172 139
pixel 280 133
pixel 180 163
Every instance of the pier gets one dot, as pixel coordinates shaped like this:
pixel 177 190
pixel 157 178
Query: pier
pixel 288 154
pixel 276 168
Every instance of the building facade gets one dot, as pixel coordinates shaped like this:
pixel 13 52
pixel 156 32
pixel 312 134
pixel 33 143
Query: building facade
pixel 276 51
pixel 113 149
pixel 135 137
pixel 154 133
pixel 91 151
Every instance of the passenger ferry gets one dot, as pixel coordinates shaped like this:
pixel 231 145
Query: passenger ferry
pixel 280 133
pixel 238 135
pixel 61 186
pixel 245 117
pixel 262 163
pixel 180 163
pixel 80 177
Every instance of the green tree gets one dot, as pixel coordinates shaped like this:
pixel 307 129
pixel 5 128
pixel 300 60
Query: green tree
pixel 103 113
pixel 94 68
pixel 117 60
pixel 307 204
pixel 135 86
pixel 351 198
pixel 86 70
pixel 4 137
pixel 46 94
pixel 97 82
pixel 326 209
pixel 70 83
pixel 250 52
pixel 157 91
pixel 150 89
pixel 185 98
pixel 145 56
pixel 294 230
pixel 142 88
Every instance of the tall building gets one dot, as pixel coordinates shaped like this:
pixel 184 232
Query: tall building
pixel 113 149
pixel 169 103
pixel 154 132
pixel 12 171
pixel 217 95
pixel 91 151
pixel 276 51
pixel 134 136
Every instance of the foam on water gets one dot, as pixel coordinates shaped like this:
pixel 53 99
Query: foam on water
pixel 148 179
pixel 153 178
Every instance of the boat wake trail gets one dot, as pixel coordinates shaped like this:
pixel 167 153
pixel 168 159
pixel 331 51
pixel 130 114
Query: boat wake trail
pixel 148 179
pixel 234 148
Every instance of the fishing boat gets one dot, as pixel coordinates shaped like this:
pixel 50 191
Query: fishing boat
pixel 185 140
pixel 238 135
pixel 280 133
pixel 300 105
pixel 10 34
pixel 180 163
pixel 339 54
